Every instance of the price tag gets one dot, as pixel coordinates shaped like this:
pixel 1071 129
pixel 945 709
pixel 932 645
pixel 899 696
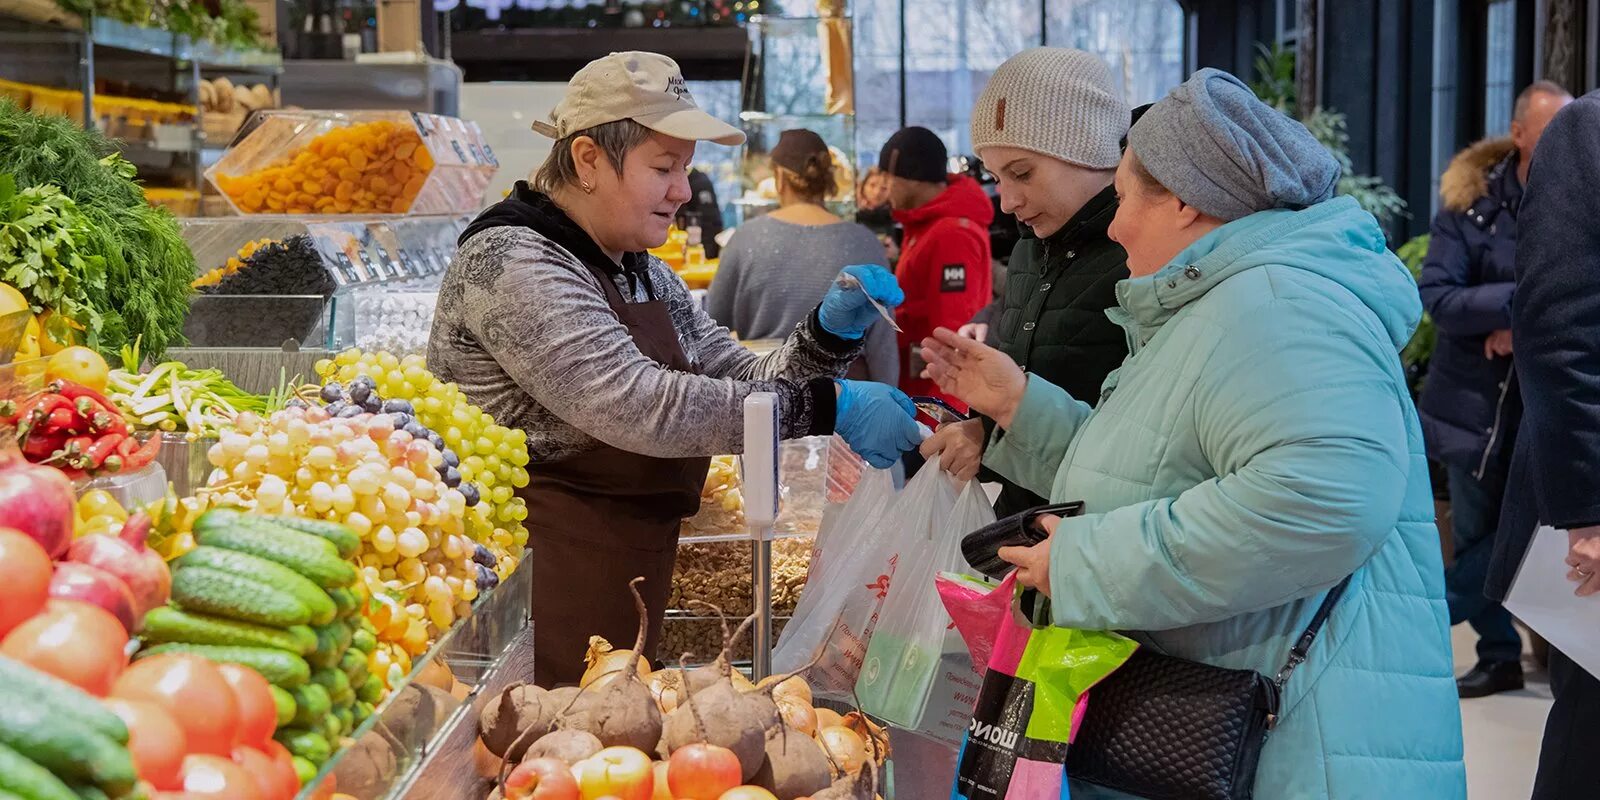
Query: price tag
pixel 390 263
pixel 413 266
pixel 373 269
pixel 489 151
pixel 461 154
pixel 477 154
pixel 346 273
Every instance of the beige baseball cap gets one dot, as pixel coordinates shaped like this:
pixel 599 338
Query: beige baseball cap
pixel 647 88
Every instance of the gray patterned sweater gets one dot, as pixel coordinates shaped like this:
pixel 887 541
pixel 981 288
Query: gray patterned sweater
pixel 523 328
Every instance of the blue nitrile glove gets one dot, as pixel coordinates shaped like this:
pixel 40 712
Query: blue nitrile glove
pixel 877 420
pixel 846 312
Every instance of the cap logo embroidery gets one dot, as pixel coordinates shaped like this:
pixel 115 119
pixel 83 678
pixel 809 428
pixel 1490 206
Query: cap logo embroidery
pixel 676 86
pixel 1000 115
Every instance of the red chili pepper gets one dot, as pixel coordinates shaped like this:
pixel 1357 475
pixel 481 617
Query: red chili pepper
pixel 73 391
pixel 37 410
pixel 127 447
pixel 144 455
pixel 76 450
pixel 61 419
pixel 103 447
pixel 108 422
pixel 39 446
pixel 113 463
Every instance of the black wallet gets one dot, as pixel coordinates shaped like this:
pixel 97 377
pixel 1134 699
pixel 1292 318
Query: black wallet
pixel 981 548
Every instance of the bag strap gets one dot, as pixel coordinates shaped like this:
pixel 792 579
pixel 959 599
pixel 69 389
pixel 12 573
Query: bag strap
pixel 1302 646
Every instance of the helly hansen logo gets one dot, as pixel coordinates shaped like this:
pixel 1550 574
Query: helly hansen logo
pixel 993 734
pixel 953 278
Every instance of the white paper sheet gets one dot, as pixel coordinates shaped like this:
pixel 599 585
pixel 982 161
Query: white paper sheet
pixel 1543 599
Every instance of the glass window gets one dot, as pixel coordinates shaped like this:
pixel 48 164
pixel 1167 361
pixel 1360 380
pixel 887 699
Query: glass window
pixel 721 100
pixel 1446 24
pixel 951 50
pixel 1142 40
pixel 877 63
pixel 1500 67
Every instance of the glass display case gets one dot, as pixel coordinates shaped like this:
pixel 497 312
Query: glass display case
pixel 322 282
pixel 354 162
pixel 716 557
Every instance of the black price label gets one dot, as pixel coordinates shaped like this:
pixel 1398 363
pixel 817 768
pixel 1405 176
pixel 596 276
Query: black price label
pixel 391 266
pixel 346 274
pixel 461 154
pixel 489 151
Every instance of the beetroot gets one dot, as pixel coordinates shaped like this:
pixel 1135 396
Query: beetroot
pixel 38 501
pixel 96 587
pixel 127 557
pixel 621 711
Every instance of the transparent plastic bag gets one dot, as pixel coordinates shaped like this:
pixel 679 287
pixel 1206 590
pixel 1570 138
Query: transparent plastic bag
pixel 916 662
pixel 840 600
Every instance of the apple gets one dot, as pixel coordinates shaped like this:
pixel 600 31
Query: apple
pixel 748 793
pixel 703 771
pixel 623 772
pixel 542 779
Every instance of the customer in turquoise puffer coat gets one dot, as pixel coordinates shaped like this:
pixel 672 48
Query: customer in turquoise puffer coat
pixel 1257 446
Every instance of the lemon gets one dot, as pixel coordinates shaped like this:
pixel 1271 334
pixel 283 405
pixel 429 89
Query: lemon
pixel 12 301
pixel 81 366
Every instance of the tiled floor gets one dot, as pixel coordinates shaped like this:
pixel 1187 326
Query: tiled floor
pixel 1502 732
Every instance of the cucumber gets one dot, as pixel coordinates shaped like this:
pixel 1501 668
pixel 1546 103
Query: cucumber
pixel 346 600
pixel 304 770
pixel 168 624
pixel 312 704
pixel 287 707
pixel 344 540
pixel 38 733
pixel 333 680
pixel 308 555
pixel 309 745
pixel 332 641
pixel 364 641
pixel 66 701
pixel 363 711
pixel 29 781
pixel 371 690
pixel 212 591
pixel 271 573
pixel 354 666
pixel 90 793
pixel 279 667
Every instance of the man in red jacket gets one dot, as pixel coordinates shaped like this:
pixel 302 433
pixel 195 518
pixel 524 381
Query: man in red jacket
pixel 944 258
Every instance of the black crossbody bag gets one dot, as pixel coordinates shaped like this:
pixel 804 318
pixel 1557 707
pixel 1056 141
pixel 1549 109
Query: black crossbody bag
pixel 1167 728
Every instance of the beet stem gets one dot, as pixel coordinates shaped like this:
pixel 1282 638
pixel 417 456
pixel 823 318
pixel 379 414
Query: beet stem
pixel 632 669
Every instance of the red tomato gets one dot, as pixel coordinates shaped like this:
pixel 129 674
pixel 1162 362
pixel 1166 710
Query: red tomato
pixel 194 691
pixel 79 643
pixel 258 714
pixel 25 572
pixel 216 778
pixel 284 763
pixel 154 739
pixel 260 767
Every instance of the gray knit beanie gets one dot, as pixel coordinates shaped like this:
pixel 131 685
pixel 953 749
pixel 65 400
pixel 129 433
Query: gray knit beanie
pixel 1055 102
pixel 1216 146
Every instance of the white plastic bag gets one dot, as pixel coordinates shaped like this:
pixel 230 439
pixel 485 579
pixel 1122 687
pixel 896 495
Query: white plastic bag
pixel 840 601
pixel 917 673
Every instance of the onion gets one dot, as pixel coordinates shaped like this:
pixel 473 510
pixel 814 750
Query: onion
pixel 667 687
pixel 794 688
pixel 606 662
pixel 844 747
pixel 800 716
pixel 827 718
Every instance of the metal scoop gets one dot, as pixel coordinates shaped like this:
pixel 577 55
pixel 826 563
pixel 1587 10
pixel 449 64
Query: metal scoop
pixel 848 281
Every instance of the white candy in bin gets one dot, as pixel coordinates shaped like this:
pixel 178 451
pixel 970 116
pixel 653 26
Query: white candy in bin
pixel 355 162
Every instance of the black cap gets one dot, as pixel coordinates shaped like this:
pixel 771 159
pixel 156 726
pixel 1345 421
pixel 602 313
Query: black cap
pixel 916 154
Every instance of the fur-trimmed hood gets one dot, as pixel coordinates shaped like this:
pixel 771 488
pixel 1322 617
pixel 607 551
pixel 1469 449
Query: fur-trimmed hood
pixel 1467 178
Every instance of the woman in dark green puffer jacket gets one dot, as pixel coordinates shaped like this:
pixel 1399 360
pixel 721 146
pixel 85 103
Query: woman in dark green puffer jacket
pixel 1048 126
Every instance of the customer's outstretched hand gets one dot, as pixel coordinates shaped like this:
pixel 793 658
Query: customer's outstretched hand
pixel 983 377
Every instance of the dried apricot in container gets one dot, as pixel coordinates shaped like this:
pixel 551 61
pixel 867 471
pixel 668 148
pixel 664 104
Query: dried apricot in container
pixel 329 162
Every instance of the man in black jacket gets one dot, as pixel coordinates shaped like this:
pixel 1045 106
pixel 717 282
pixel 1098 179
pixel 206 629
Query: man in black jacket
pixel 1467 284
pixel 1049 126
pixel 1555 473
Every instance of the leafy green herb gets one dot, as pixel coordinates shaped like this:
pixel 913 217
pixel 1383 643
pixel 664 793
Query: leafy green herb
pixel 42 253
pixel 147 265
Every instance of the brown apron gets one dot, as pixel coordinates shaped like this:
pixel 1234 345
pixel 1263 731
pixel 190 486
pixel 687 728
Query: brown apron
pixel 602 518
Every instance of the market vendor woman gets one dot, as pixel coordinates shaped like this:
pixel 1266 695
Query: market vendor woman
pixel 554 318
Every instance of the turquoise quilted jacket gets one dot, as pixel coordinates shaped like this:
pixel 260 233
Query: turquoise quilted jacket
pixel 1257 446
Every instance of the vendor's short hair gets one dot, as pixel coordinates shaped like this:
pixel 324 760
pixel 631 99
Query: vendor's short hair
pixel 615 139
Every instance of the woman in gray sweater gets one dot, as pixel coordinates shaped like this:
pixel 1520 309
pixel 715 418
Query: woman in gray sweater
pixel 775 267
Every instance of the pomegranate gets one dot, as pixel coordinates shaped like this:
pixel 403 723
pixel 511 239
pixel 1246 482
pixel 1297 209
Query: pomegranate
pixel 36 500
pixel 126 556
pixel 96 587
